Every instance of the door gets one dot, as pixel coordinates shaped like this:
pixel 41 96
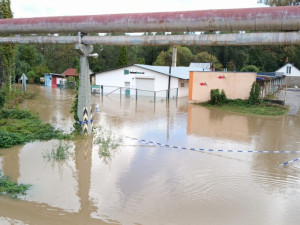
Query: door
pixel 127 89
pixel 53 81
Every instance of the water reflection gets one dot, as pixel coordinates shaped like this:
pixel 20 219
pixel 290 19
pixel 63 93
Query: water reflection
pixel 148 185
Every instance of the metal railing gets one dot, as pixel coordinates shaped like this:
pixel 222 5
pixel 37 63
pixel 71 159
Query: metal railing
pixel 67 84
pixel 133 93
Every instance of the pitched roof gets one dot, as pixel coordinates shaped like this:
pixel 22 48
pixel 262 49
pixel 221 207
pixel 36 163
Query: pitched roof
pixel 70 72
pixel 179 72
pixel 287 64
pixel 204 66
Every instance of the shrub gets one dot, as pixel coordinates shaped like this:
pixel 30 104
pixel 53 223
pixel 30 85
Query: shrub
pixel 216 97
pixel 250 68
pixel 18 127
pixel 254 94
pixel 10 188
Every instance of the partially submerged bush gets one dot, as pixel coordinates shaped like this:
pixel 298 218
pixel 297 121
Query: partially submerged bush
pixel 19 126
pixel 59 153
pixel 216 97
pixel 10 188
pixel 108 143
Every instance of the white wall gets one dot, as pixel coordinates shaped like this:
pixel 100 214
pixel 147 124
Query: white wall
pixel 294 71
pixel 183 91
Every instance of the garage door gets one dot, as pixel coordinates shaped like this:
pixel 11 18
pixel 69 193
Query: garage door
pixel 145 84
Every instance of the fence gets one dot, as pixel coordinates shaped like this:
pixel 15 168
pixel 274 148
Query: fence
pixel 134 93
pixel 67 84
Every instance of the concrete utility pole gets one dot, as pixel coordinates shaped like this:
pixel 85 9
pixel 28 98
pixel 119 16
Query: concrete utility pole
pixel 174 56
pixel 84 94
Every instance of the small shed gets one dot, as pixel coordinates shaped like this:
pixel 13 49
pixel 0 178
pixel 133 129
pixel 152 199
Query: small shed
pixel 70 72
pixel 270 82
pixel 53 79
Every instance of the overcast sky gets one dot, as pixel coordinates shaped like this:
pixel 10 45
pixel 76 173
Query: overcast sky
pixel 44 8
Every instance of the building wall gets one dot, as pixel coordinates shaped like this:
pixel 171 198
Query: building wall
pixel 183 89
pixel 116 78
pixel 235 85
pixel 291 81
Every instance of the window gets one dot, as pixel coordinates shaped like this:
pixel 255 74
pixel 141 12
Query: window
pixel 182 84
pixel 288 69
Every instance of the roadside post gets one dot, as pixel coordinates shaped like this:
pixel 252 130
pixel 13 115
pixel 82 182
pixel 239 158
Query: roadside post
pixel 23 79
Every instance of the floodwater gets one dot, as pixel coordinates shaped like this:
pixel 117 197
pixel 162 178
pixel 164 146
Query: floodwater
pixel 142 184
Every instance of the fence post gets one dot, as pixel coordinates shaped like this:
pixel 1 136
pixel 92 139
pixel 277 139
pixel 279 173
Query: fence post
pixel 120 93
pixel 176 93
pixel 136 94
pixel 101 90
pixel 154 96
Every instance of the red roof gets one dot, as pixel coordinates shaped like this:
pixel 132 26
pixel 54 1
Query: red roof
pixel 70 72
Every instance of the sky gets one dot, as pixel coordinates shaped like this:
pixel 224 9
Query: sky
pixel 45 8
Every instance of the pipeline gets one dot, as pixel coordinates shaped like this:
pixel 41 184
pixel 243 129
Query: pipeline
pixel 284 18
pixel 233 39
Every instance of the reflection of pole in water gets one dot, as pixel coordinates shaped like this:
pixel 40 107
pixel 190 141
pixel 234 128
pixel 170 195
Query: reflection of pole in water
pixel 11 164
pixel 168 119
pixel 83 157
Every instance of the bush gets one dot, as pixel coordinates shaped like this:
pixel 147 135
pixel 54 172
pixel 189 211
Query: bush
pixel 250 68
pixel 254 94
pixel 10 188
pixel 216 97
pixel 18 127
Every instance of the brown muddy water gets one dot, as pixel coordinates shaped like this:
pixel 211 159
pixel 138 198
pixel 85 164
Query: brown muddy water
pixel 142 184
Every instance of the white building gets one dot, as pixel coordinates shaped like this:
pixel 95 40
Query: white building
pixel 292 75
pixel 289 70
pixel 146 80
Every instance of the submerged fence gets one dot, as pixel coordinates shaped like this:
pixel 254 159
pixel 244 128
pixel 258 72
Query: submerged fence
pixel 134 93
pixel 67 84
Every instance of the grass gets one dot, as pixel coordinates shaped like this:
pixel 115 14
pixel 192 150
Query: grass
pixel 242 106
pixel 108 143
pixel 10 188
pixel 21 126
pixel 18 96
pixel 60 153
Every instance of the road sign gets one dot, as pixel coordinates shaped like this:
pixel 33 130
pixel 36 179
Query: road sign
pixel 23 79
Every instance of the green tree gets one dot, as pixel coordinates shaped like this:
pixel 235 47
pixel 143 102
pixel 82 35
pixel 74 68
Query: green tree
pixel 184 57
pixel 250 68
pixel 122 58
pixel 7 51
pixel 280 2
pixel 205 57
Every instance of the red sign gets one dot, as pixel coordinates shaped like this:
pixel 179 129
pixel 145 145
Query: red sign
pixel 203 84
pixel 221 77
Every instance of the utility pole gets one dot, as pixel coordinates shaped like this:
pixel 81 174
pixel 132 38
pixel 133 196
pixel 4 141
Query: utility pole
pixel 84 109
pixel 173 62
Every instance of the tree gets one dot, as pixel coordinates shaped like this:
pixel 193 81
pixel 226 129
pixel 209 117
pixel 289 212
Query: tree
pixel 250 68
pixel 205 57
pixel 184 57
pixel 122 58
pixel 7 51
pixel 280 2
